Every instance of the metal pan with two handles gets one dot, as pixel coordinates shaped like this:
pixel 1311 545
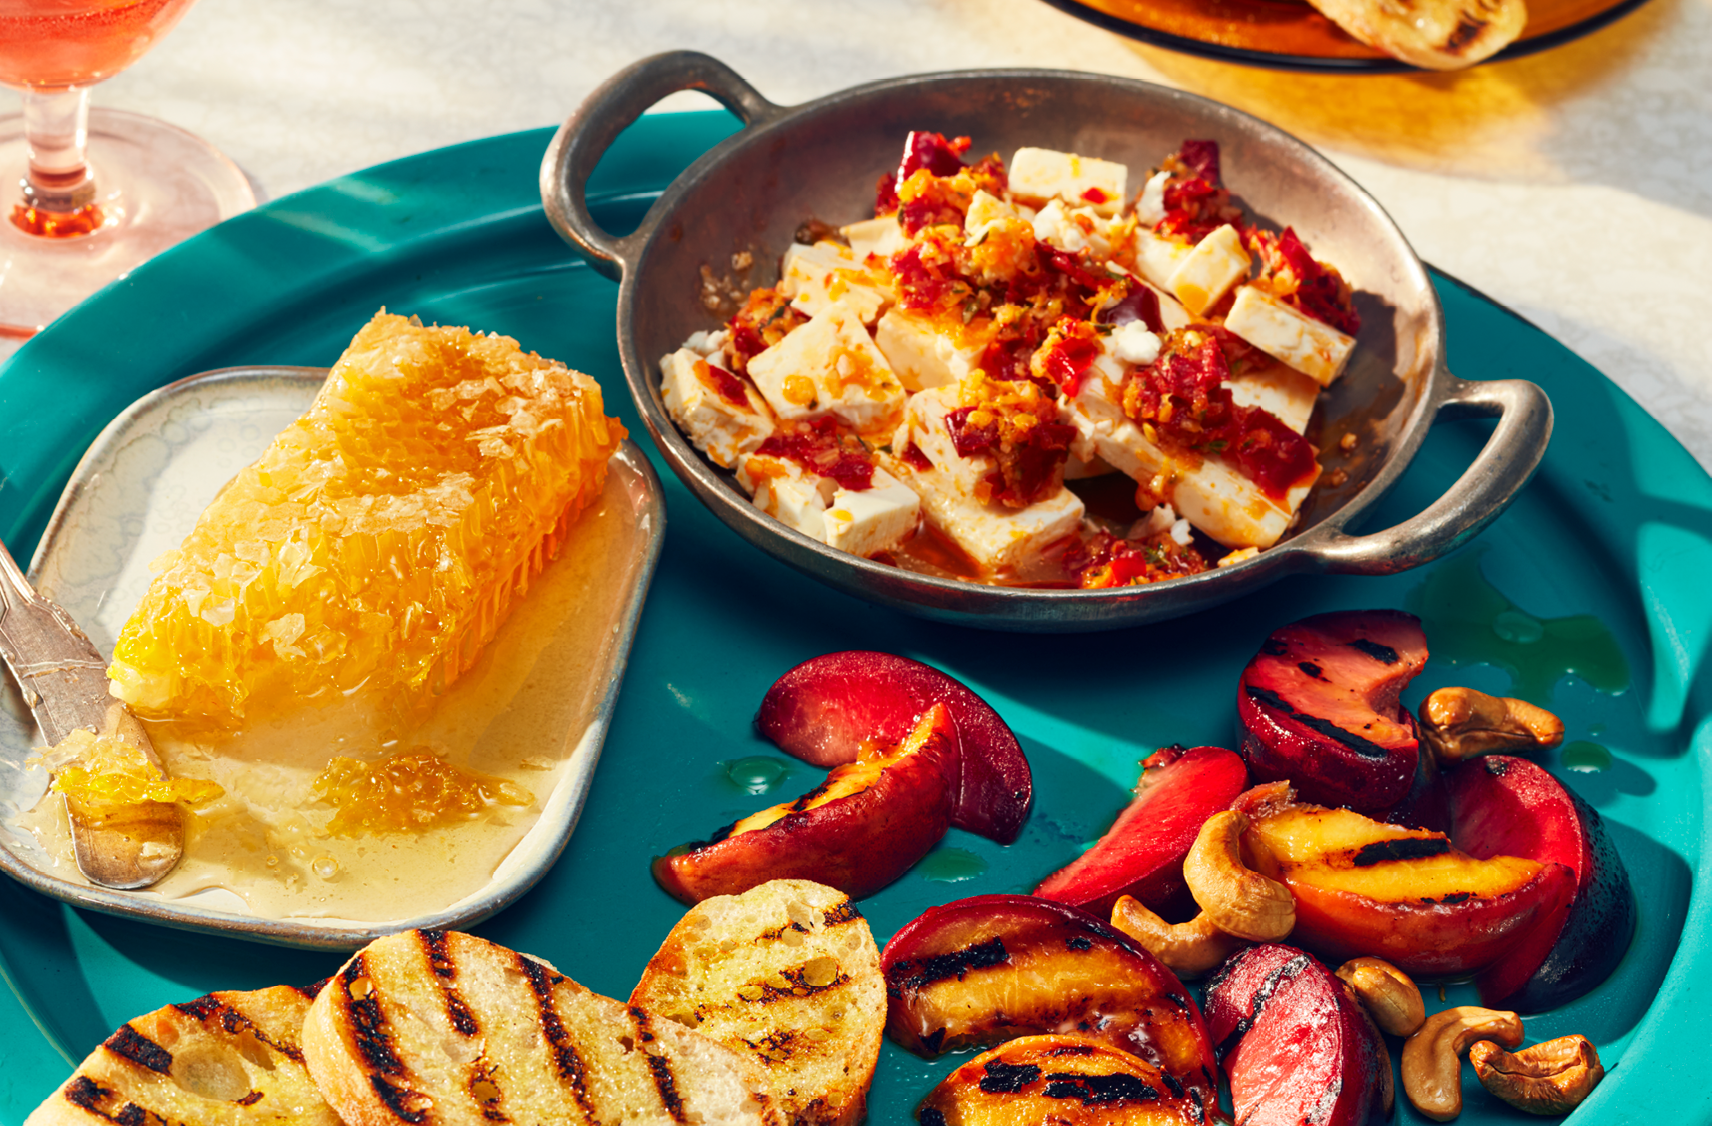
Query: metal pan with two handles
pixel 821 159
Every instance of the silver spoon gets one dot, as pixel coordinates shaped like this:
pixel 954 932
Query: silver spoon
pixel 64 681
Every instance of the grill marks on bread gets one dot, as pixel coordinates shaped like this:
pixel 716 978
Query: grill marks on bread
pixel 199 1061
pixel 787 973
pixel 444 1029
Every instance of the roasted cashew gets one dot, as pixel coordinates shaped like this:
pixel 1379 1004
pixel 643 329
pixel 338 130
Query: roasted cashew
pixel 1187 949
pixel 1387 993
pixel 1432 1064
pixel 1236 900
pixel 1460 723
pixel 1548 1078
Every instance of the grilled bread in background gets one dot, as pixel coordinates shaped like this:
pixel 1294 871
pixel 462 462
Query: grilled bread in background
pixel 788 972
pixel 438 1028
pixel 1435 34
pixel 223 1058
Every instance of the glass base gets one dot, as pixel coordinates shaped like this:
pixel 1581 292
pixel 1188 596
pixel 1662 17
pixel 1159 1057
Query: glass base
pixel 156 184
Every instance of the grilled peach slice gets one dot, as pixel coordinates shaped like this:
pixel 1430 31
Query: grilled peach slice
pixel 1405 895
pixel 1505 806
pixel 992 967
pixel 1319 707
pixel 1067 1080
pixel 1296 1047
pixel 825 710
pixel 1142 854
pixel 858 831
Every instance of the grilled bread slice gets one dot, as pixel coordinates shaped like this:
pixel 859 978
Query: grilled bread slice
pixel 229 1058
pixel 438 1028
pixel 1435 34
pixel 787 972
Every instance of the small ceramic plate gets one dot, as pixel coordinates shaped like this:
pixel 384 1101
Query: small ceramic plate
pixel 140 489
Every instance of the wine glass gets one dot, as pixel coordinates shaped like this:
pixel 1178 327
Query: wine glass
pixel 87 195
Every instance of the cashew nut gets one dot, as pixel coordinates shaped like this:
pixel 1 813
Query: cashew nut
pixel 1387 993
pixel 1432 1064
pixel 1237 901
pixel 1548 1078
pixel 1188 949
pixel 1460 723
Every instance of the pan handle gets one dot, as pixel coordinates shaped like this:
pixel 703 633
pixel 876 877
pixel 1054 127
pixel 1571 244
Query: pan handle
pixel 613 106
pixel 1484 490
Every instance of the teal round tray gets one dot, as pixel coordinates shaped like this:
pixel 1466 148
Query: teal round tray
pixel 1602 561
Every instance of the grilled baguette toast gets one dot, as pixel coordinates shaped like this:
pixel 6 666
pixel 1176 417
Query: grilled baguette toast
pixel 1435 34
pixel 227 1058
pixel 438 1028
pixel 788 972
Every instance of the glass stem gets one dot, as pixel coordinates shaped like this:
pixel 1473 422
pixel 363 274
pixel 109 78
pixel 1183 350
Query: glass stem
pixel 56 126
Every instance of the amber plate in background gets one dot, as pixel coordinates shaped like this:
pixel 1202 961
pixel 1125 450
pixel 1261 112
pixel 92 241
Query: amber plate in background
pixel 1291 35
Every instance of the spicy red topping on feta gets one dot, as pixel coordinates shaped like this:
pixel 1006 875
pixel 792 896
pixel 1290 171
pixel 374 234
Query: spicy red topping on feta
pixel 921 387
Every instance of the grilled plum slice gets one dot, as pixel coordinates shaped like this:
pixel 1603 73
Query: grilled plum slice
pixel 826 708
pixel 1294 1044
pixel 1319 707
pixel 858 831
pixel 1405 895
pixel 1142 853
pixel 993 967
pixel 1071 1080
pixel 1512 807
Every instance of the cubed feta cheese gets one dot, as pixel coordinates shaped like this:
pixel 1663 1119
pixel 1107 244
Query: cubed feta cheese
pixel 782 490
pixel 859 521
pixel 1047 173
pixel 715 425
pixel 985 210
pixel 1208 492
pixel 1157 257
pixel 994 536
pixel 880 236
pixel 1277 390
pixel 869 520
pixel 923 356
pixel 813 277
pixel 924 428
pixel 1288 335
pixel 830 366
pixel 1207 273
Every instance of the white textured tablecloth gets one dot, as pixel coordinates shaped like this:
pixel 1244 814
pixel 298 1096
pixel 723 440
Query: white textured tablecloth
pixel 1574 186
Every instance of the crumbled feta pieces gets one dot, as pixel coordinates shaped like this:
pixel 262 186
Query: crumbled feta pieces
pixel 830 366
pixel 1150 207
pixel 1048 174
pixel 813 277
pixel 719 428
pixel 920 354
pixel 1209 271
pixel 1134 343
pixel 1289 335
pixel 707 344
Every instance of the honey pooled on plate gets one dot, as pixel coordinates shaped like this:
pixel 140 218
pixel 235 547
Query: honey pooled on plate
pixel 330 660
pixel 379 541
